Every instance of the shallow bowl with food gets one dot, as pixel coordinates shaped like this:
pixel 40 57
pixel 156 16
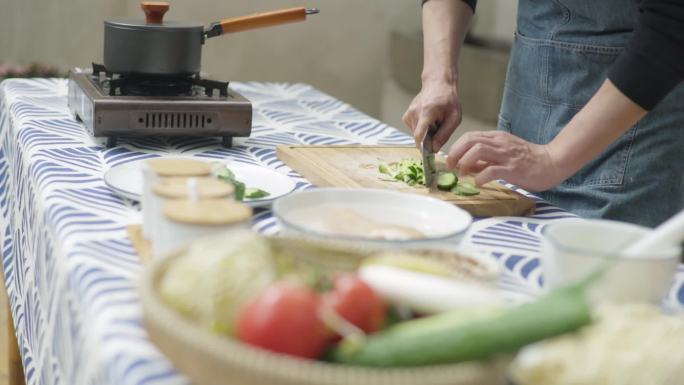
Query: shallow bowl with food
pixel 372 217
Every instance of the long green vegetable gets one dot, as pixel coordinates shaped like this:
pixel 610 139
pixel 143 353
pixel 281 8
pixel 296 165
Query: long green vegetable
pixel 448 338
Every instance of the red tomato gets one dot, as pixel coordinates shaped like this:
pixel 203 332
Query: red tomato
pixel 284 319
pixel 356 302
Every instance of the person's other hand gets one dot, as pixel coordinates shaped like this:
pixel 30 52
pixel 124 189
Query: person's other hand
pixel 437 102
pixel 499 155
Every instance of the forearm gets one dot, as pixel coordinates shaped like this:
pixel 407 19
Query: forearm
pixel 603 119
pixel 445 24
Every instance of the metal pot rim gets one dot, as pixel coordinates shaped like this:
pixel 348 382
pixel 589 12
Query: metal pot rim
pixel 167 26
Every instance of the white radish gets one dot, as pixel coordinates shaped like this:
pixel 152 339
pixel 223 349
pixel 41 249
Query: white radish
pixel 427 293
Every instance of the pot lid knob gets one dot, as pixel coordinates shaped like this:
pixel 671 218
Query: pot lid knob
pixel 154 11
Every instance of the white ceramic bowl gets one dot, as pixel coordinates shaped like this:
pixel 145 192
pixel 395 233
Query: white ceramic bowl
pixel 574 249
pixel 308 213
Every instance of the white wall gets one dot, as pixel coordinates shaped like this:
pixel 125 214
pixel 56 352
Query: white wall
pixel 495 19
pixel 341 51
pixel 63 32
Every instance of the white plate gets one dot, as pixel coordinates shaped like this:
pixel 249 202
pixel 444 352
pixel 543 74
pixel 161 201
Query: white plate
pixel 126 180
pixel 309 213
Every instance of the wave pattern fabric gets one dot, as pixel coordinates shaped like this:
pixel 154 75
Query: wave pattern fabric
pixel 69 268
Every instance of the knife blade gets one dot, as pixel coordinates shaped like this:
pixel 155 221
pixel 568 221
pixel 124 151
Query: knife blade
pixel 428 153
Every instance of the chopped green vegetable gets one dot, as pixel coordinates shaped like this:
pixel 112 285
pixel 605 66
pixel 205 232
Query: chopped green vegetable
pixel 411 172
pixel 446 180
pixel 408 171
pixel 241 191
pixel 255 193
pixel 225 174
pixel 465 189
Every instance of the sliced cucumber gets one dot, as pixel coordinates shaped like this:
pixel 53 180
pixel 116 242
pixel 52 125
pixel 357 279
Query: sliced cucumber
pixel 446 180
pixel 255 193
pixel 239 190
pixel 465 189
pixel 225 174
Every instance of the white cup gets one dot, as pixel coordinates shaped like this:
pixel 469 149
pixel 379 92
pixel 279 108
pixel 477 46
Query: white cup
pixel 172 235
pixel 149 206
pixel 572 250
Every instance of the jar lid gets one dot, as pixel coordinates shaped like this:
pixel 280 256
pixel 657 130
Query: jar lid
pixel 214 212
pixel 179 167
pixel 207 188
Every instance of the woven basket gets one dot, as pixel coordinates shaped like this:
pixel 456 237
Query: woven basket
pixel 208 359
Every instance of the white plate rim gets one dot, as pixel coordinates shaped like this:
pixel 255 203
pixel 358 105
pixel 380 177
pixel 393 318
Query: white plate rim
pixel 135 164
pixel 278 215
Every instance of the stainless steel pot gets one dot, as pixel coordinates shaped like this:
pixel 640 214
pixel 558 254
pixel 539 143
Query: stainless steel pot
pixel 158 47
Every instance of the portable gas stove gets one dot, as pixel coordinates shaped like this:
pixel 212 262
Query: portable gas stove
pixel 114 105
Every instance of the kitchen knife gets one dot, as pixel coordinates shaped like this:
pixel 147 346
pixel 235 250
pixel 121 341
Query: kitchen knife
pixel 428 153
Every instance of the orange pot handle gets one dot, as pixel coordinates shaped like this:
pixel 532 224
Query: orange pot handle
pixel 259 20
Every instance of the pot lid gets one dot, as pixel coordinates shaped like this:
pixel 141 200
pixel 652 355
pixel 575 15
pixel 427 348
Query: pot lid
pixel 154 20
pixel 141 25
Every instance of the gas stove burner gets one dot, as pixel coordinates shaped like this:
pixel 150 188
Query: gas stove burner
pixel 156 85
pixel 114 105
pixel 147 86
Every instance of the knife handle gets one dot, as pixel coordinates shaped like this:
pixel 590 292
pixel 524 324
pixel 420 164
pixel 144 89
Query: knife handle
pixel 429 135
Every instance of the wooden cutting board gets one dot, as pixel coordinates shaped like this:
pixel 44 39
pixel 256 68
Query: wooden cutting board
pixel 357 166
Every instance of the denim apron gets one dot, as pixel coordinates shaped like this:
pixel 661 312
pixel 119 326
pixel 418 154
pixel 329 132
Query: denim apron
pixel 562 52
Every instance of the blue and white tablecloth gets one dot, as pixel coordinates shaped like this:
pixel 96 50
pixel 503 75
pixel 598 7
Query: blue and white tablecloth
pixel 69 267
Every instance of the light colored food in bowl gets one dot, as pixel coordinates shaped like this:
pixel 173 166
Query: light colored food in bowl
pixel 347 222
pixel 381 217
pixel 626 345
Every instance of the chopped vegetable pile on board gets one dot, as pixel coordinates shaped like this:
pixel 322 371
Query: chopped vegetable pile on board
pixel 408 171
pixel 411 172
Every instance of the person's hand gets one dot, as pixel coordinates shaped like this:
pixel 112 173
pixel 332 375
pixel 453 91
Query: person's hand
pixel 437 102
pixel 499 155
